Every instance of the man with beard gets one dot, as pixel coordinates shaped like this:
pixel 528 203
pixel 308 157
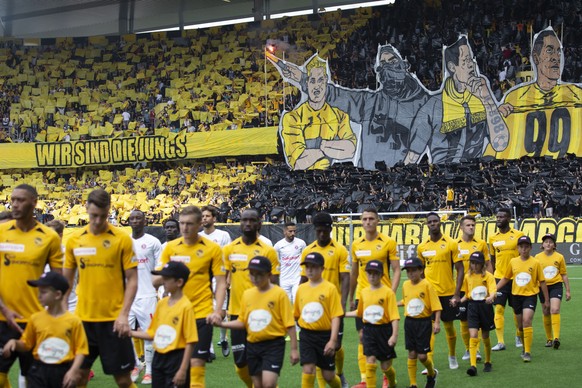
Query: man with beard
pixel 544 115
pixel 385 114
pixel 315 134
pixel 236 258
pixel 457 123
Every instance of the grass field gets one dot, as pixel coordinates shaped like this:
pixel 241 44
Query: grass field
pixel 549 367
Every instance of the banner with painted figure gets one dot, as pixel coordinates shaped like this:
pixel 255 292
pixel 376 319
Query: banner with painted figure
pixel 402 121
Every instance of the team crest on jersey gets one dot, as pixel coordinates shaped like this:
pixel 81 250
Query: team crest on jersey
pixel 422 294
pixel 271 304
pixel 38 241
pixel 321 298
pixel 381 301
pixel 330 252
pixel 106 244
pixel 379 247
pixel 143 246
pixel 442 246
pixel 68 333
pixel 256 252
pixel 175 320
pixel 199 252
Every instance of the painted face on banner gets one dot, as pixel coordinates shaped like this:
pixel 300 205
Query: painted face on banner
pixel 391 68
pixel 549 60
pixel 316 84
pixel 466 69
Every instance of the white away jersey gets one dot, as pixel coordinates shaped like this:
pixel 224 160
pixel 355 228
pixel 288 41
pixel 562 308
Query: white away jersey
pixel 290 260
pixel 148 250
pixel 219 237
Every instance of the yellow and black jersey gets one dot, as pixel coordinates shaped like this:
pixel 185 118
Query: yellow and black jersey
pixel 101 261
pixel 382 248
pixel 266 315
pixel 526 274
pixel 553 266
pixel 316 306
pixel 173 326
pixel 503 246
pixel 23 256
pixel 55 340
pixel 204 260
pixel 478 286
pixel 237 255
pixel 420 300
pixel 336 261
pixel 378 306
pixel 439 259
pixel 466 248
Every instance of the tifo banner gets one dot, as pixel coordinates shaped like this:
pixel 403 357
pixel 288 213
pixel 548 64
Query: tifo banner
pixel 402 121
pixel 257 141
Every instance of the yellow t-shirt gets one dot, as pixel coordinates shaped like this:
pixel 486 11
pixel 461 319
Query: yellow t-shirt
pixel 378 306
pixel 382 248
pixel 204 260
pixel 236 259
pixel 439 262
pixel 466 248
pixel 266 315
pixel 55 340
pixel 503 246
pixel 527 275
pixel 553 267
pixel 479 286
pixel 23 256
pixel 336 261
pixel 173 327
pixel 420 300
pixel 101 261
pixel 315 307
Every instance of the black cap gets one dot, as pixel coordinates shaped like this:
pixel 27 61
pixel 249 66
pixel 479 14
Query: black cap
pixel 524 240
pixel 477 257
pixel 322 219
pixel 313 258
pixel 550 236
pixel 260 263
pixel 375 265
pixel 413 262
pixel 51 279
pixel 174 269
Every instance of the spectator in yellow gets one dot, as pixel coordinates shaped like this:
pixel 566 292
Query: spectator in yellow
pixel 315 133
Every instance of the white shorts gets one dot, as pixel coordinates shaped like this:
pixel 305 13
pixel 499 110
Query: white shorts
pixel 142 311
pixel 291 290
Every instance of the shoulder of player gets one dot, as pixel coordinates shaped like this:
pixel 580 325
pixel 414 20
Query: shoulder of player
pixel 207 242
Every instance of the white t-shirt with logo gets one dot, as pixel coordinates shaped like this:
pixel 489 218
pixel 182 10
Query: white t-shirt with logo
pixel 290 260
pixel 220 237
pixel 148 250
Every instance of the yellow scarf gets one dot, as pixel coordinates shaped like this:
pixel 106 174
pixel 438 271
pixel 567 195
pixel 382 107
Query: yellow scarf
pixel 454 117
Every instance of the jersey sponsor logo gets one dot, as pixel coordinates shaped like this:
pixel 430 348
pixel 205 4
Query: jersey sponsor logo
pixel 165 335
pixel 311 312
pixel 415 307
pixel 53 350
pixel 498 243
pixel 464 251
pixel 479 293
pixel 85 251
pixel 522 279
pixel 373 313
pixel 428 253
pixel 9 247
pixel 181 259
pixel 258 320
pixel 86 263
pixel 238 257
pixel 364 253
pixel 550 272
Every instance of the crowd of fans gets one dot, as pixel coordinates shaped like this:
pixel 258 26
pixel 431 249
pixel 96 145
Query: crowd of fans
pixel 213 79
pixel 480 187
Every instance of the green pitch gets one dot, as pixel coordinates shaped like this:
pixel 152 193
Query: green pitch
pixel 549 367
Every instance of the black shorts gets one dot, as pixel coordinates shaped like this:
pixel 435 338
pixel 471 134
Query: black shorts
pixel 359 322
pixel 480 315
pixel 266 355
pixel 25 359
pixel 116 353
pixel 375 339
pixel 238 341
pixel 463 308
pixel 448 313
pixel 202 347
pixel 555 291
pixel 41 375
pixel 164 368
pixel 417 332
pixel 504 296
pixel 521 302
pixel 311 346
